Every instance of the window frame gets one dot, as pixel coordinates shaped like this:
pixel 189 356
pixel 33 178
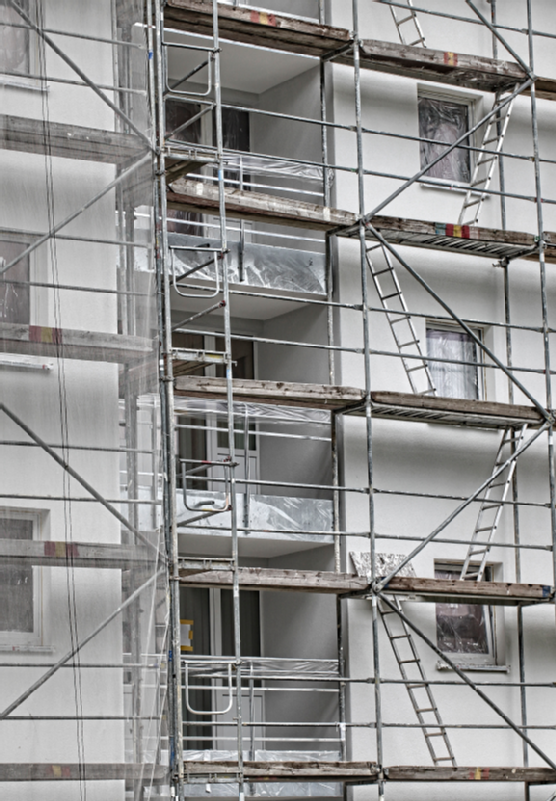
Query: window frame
pixel 26 79
pixel 431 325
pixel 36 637
pixel 494 659
pixel 471 101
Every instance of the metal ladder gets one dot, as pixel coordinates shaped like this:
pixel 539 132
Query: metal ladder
pixel 412 25
pixel 417 685
pixel 493 141
pixel 405 336
pixel 491 509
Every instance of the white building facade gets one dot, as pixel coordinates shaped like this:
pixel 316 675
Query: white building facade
pixel 278 504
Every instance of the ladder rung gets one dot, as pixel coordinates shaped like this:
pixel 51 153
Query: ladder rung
pixel 407 661
pixel 406 19
pixel 392 295
pixel 442 759
pixel 436 734
pixel 381 272
pixel 402 319
pixel 429 709
pixel 417 686
pixel 411 342
pixel 412 369
pixel 472 203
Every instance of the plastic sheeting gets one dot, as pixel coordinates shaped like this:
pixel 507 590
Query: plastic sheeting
pixel 266 789
pixel 90 577
pixel 266 667
pixel 269 515
pixel 384 564
pixel 286 269
pixel 460 378
pixel 279 167
pixel 445 121
pixel 254 411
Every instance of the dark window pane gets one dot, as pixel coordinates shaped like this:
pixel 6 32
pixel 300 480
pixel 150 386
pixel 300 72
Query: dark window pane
pixel 461 628
pixel 14 284
pixel 249 623
pixel 235 136
pixel 445 122
pixel 459 379
pixel 195 625
pixel 16 583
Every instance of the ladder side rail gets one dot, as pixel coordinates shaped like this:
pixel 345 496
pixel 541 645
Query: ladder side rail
pixel 488 504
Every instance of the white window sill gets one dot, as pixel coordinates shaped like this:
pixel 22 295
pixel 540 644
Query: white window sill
pixel 26 649
pixel 32 84
pixel 479 668
pixel 459 189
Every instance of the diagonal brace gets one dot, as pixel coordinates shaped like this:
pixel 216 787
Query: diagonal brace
pixel 38 242
pixel 546 414
pixel 80 72
pixel 75 650
pixel 501 39
pixel 74 474
pixel 468 681
pixel 497 107
pixel 382 584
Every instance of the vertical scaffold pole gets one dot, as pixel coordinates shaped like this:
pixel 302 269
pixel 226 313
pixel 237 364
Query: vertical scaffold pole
pixel 516 524
pixel 544 294
pixel 368 409
pixel 167 403
pixel 229 386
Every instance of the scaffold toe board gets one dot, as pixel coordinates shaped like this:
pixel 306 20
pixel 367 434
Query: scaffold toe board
pixel 283 771
pixel 59 139
pixel 479 592
pixel 470 774
pixel 58 553
pixel 196 196
pixel 388 405
pixel 452 411
pixel 316 396
pixel 467 239
pixel 438 590
pixel 66 343
pixel 78 772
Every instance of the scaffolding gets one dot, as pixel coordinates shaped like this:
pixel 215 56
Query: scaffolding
pixel 217 377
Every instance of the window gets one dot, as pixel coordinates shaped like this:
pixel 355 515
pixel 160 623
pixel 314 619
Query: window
pixel 459 377
pixel 14 39
pixel 19 582
pixel 445 121
pixel 466 632
pixel 14 284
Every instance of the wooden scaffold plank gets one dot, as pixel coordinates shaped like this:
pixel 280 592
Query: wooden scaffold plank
pixel 28 135
pixel 65 343
pixel 58 553
pixel 422 589
pixel 387 405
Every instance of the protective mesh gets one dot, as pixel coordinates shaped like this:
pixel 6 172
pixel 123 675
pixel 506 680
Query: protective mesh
pixel 82 577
